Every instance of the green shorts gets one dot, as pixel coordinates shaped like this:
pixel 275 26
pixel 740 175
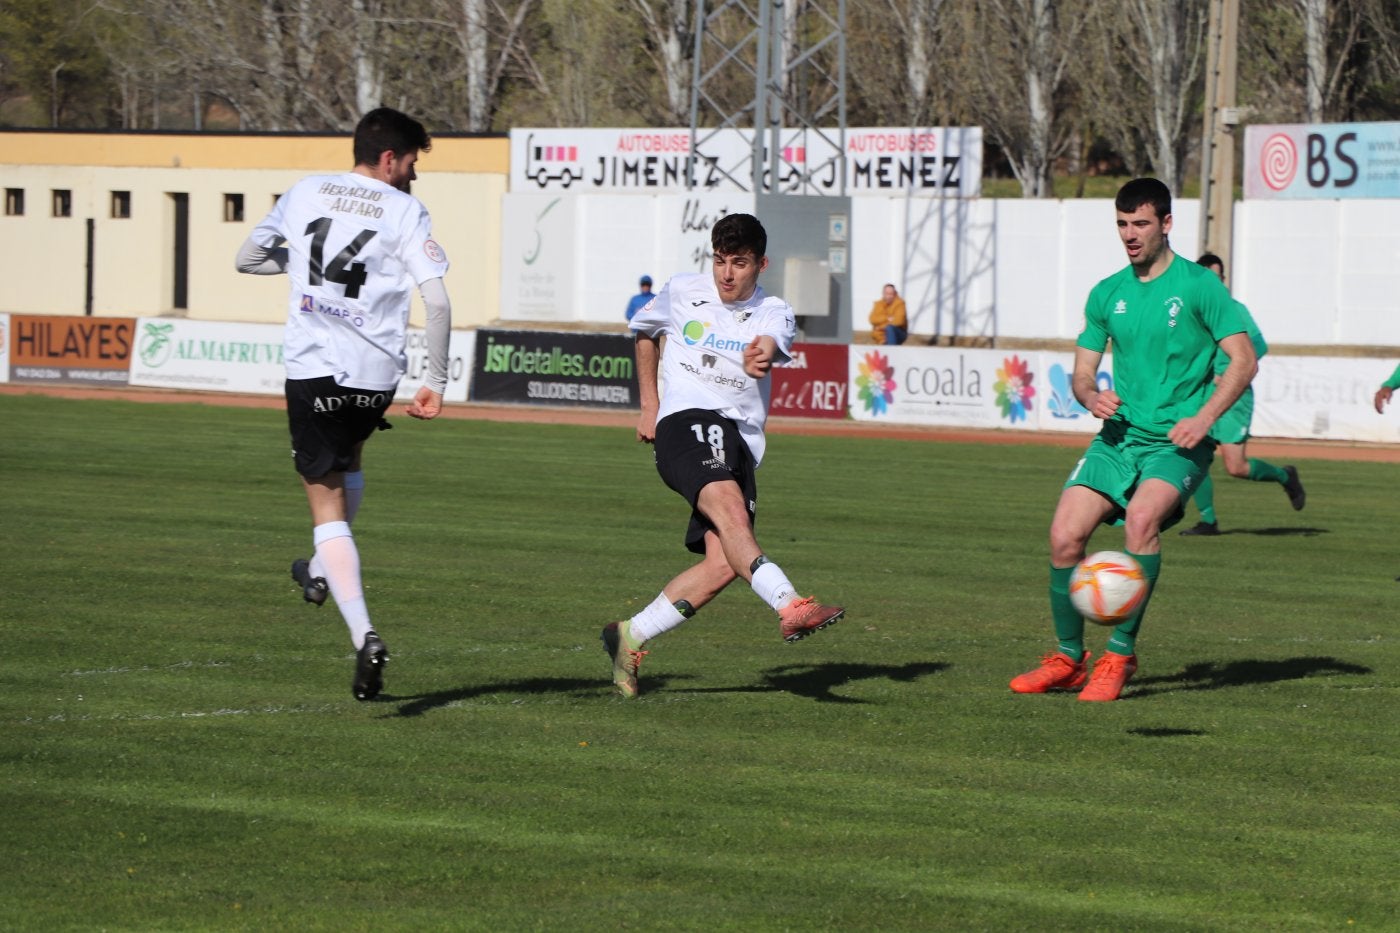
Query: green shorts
pixel 1118 460
pixel 1233 426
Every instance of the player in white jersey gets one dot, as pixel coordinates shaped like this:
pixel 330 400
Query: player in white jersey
pixel 356 244
pixel 722 336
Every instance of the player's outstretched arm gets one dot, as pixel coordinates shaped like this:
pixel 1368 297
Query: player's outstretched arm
pixel 1244 366
pixel 1085 385
pixel 758 356
pixel 255 259
pixel 648 360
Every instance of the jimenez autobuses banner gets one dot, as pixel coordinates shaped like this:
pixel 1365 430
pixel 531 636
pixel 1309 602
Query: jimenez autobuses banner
pixel 813 384
pixel 550 368
pixel 1333 160
pixel 938 161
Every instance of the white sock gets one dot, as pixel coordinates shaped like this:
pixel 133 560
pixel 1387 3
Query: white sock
pixel 657 618
pixel 354 495
pixel 335 549
pixel 772 586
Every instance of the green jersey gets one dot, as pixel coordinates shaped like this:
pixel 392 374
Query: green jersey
pixel 1222 359
pixel 1394 381
pixel 1165 335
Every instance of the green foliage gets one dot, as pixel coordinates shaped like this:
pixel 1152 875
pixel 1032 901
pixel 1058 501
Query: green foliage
pixel 183 752
pixel 49 57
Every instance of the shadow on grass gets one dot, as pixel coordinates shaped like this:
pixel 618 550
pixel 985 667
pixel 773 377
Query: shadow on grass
pixel 1209 675
pixel 1291 532
pixel 814 681
pixel 819 681
pixel 1163 732
pixel 418 705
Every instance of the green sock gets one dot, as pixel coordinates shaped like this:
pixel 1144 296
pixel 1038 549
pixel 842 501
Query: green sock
pixel 1204 498
pixel 1069 624
pixel 1261 472
pixel 1124 637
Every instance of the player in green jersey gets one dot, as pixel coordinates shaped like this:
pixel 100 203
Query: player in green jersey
pixel 1231 432
pixel 1165 317
pixel 1386 390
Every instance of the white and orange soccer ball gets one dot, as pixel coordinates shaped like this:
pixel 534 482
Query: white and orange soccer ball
pixel 1108 587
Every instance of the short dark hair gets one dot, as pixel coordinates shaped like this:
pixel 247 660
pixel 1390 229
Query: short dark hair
pixel 386 128
pixel 1210 259
pixel 735 233
pixel 1142 191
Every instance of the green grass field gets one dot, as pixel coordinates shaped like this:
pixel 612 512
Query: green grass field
pixel 182 751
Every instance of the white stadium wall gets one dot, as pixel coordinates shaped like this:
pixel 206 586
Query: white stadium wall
pixel 1313 272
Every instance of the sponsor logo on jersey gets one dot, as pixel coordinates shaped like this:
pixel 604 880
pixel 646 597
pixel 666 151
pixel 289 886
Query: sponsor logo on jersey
pixel 310 305
pixel 1121 307
pixel 697 333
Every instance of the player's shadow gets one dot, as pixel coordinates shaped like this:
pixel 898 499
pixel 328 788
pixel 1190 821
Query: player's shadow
pixel 1209 675
pixel 820 681
pixel 418 705
pixel 1290 532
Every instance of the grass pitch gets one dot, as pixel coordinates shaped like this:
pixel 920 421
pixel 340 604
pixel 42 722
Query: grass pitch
pixel 183 752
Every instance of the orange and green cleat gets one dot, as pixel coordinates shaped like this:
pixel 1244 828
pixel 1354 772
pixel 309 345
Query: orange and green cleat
pixel 1057 671
pixel 1110 674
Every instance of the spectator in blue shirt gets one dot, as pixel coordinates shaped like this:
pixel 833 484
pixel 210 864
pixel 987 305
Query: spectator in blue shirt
pixel 639 301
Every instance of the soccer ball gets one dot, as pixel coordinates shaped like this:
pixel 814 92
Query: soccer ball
pixel 1107 587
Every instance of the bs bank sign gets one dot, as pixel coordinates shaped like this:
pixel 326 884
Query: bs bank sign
pixel 1332 160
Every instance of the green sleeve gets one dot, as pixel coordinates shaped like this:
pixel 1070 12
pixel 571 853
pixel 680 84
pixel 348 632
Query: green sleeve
pixel 1094 336
pixel 1256 337
pixel 1221 314
pixel 1394 381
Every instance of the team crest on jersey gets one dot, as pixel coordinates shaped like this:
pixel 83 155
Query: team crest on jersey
pixel 1174 305
pixel 434 251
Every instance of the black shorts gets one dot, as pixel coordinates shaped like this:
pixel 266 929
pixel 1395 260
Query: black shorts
pixel 695 448
pixel 328 421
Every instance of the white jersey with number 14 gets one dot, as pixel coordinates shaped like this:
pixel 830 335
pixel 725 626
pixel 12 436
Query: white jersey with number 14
pixel 356 249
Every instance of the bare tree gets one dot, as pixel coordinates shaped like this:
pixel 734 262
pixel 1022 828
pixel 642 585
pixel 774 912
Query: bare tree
pixel 369 68
pixel 1172 34
pixel 896 76
pixel 669 26
pixel 1142 75
pixel 1016 60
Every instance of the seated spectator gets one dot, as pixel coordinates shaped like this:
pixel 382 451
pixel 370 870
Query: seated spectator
pixel 889 321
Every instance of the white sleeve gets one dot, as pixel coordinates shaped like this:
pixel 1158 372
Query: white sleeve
pixel 780 323
pixel 653 317
pixel 439 332
pixel 423 257
pixel 256 259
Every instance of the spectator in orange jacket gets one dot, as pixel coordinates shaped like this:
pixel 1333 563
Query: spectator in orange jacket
pixel 889 321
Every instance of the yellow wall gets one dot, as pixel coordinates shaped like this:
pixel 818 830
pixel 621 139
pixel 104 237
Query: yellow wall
pixel 43 258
